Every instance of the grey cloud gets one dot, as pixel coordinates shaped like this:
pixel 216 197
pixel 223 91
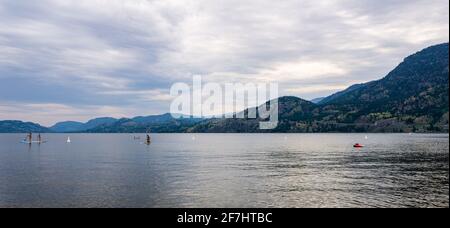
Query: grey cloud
pixel 98 51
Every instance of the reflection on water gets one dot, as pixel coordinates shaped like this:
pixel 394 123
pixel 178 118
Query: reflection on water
pixel 226 170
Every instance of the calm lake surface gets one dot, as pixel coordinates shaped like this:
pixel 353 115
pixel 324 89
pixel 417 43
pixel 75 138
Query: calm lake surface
pixel 225 170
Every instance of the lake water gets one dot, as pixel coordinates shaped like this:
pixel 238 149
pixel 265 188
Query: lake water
pixel 225 170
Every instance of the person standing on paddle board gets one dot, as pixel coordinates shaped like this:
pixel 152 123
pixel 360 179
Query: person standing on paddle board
pixel 148 139
pixel 39 138
pixel 30 137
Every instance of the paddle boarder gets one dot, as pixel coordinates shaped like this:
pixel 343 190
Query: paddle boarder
pixel 30 137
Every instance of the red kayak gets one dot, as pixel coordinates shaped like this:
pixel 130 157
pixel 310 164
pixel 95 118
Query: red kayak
pixel 357 145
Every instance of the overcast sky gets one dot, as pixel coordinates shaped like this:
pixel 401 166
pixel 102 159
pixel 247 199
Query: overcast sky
pixel 75 60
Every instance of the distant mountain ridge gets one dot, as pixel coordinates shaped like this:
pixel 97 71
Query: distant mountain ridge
pixel 166 123
pixel 155 123
pixel 16 126
pixel 67 126
pixel 73 126
pixel 414 97
pixel 317 100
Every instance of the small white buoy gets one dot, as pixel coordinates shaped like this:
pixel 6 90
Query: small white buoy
pixel 68 140
pixel 367 137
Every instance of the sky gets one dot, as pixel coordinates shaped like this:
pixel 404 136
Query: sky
pixel 80 59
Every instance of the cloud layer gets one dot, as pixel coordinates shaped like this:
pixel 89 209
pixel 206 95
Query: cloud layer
pixel 79 59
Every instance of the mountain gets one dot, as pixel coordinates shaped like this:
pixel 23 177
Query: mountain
pixel 72 126
pixel 411 98
pixel 98 122
pixel 153 119
pixel 14 126
pixel 165 123
pixel 414 94
pixel 426 71
pixel 139 124
pixel 67 126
